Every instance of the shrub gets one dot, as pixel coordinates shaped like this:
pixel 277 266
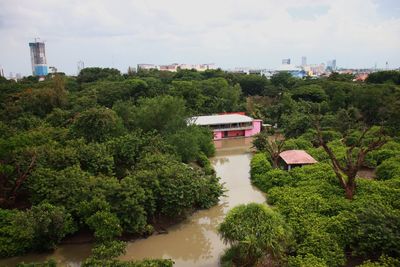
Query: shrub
pixel 377 228
pixel 298 143
pixel 308 260
pixel 384 261
pixel 255 230
pixel 49 263
pixel 271 179
pixel 105 225
pixel 40 228
pixel 259 164
pixel 389 169
pixel 15 238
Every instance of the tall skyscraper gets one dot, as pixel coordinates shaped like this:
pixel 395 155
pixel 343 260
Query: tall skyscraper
pixel 2 72
pixel 303 60
pixel 38 58
pixel 286 61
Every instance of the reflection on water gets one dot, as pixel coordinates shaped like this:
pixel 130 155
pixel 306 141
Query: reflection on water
pixel 66 255
pixel 194 242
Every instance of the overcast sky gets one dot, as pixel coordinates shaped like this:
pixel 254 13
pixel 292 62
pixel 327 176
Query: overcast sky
pixel 229 33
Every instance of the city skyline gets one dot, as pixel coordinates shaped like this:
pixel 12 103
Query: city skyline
pixel 358 34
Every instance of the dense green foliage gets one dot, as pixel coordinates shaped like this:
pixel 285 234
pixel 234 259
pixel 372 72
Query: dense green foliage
pixel 326 227
pixel 103 152
pixel 110 153
pixel 39 228
pixel 384 77
pixel 255 233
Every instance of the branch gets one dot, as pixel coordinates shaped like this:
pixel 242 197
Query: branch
pixel 336 165
pixel 22 178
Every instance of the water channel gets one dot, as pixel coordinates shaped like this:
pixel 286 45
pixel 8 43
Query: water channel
pixel 195 241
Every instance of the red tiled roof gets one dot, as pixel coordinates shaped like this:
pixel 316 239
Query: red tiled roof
pixel 297 157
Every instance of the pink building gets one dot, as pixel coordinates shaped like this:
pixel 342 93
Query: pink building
pixel 229 125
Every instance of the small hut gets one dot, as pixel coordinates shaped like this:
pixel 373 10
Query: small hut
pixel 290 159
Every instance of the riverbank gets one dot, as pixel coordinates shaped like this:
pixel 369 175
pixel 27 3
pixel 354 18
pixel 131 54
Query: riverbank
pixel 192 242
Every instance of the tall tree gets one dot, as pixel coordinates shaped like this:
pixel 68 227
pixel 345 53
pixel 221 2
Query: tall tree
pixel 347 169
pixel 272 145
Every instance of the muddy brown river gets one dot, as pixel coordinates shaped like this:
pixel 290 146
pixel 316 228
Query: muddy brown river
pixel 193 242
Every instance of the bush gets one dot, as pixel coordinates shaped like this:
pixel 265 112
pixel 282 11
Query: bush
pixel 105 225
pixel 105 121
pixel 298 143
pixel 377 228
pixel 389 169
pixel 66 188
pixel 384 261
pixel 49 263
pixel 308 260
pixel 15 238
pixel 259 165
pixel 324 246
pixel 314 172
pixel 255 231
pixel 173 188
pixel 204 162
pixel 271 179
pixel 40 228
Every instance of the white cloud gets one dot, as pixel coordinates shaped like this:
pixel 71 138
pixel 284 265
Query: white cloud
pixel 228 32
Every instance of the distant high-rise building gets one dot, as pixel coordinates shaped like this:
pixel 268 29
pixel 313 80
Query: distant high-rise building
pixel 2 72
pixel 38 58
pixel 303 60
pixel 331 65
pixel 80 66
pixel 286 61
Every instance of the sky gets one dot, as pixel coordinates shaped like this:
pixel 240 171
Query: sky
pixel 229 33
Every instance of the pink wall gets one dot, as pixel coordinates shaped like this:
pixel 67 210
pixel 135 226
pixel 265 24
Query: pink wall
pixel 217 135
pixel 236 133
pixel 256 128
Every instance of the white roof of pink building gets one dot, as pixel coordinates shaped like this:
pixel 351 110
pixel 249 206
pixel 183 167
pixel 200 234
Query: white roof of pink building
pixel 297 157
pixel 220 119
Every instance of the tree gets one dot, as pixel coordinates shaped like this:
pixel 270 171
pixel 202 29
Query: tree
pixel 97 124
pixel 93 74
pixel 191 141
pixel 105 225
pixel 253 84
pixel 355 156
pixel 164 114
pixel 189 91
pixel 272 145
pixel 389 169
pixel 109 92
pixel 344 77
pixel 255 231
pixel 50 223
pixel 67 188
pixel 313 93
pixel 283 79
pixel 384 77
